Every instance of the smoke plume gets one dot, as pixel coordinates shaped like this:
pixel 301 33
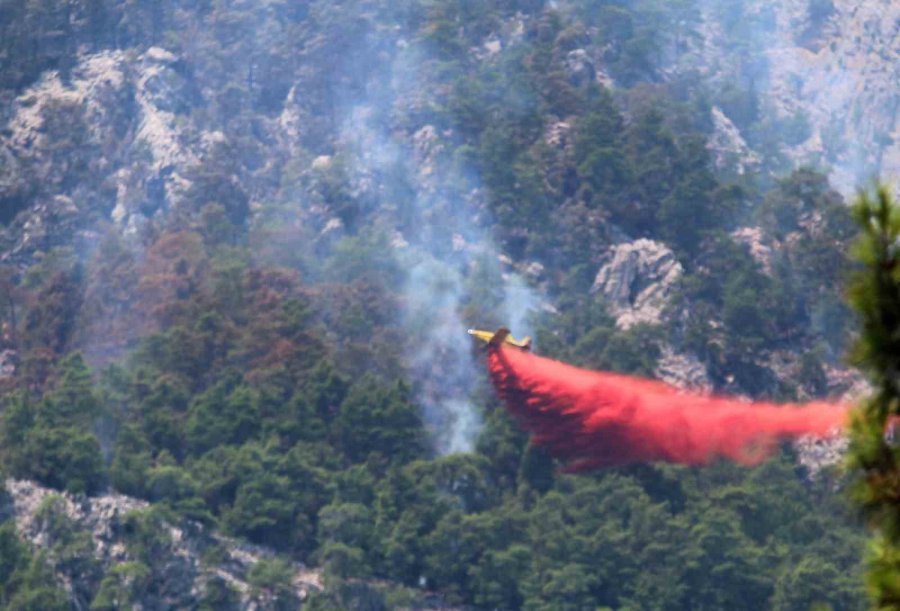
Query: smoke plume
pixel 594 419
pixel 435 211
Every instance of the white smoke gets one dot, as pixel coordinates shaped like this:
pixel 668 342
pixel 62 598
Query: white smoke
pixel 440 240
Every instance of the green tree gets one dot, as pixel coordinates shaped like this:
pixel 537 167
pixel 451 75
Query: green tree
pixel 71 548
pixel 124 585
pixel 53 440
pixel 270 580
pixel 36 590
pixel 876 296
pixel 73 399
pixel 64 458
pixel 216 181
pixel 812 583
pixel 130 463
pixel 378 418
pixel 224 414
pixel 26 581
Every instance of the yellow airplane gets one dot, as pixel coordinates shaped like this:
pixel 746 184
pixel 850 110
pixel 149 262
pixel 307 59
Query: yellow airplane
pixel 501 336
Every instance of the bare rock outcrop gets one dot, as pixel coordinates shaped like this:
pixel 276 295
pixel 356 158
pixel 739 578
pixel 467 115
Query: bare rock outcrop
pixel 683 370
pixel 637 281
pixel 847 87
pixel 754 239
pixel 182 562
pixel 112 133
pixel 729 149
pixel 828 77
pixel 820 454
pixel 824 454
pixel 580 67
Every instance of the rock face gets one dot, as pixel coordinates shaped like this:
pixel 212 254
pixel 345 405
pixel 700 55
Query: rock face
pixel 846 83
pixel 818 454
pixel 637 281
pixel 753 239
pixel 682 370
pixel 827 73
pixel 730 150
pixel 183 564
pixel 580 67
pixel 113 133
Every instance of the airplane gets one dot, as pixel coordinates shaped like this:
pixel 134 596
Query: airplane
pixel 501 336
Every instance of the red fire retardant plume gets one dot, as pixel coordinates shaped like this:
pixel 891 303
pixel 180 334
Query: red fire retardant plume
pixel 591 419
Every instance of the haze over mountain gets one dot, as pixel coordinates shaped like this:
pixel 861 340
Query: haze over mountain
pixel 240 244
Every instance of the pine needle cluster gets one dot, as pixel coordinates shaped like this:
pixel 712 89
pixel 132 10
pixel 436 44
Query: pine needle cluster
pixel 874 449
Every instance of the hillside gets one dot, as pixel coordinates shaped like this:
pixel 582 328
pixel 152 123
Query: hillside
pixel 240 244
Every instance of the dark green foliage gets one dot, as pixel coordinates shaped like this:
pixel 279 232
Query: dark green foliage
pixel 876 296
pixel 125 584
pixel 222 415
pixel 71 548
pixel 219 595
pixel 214 183
pixel 503 444
pixel 632 351
pixel 72 398
pixel 271 582
pixel 799 298
pixel 145 534
pixel 25 579
pixel 375 418
pixel 35 590
pixel 814 581
pixel 263 510
pixel 130 463
pixel 64 458
pixel 52 440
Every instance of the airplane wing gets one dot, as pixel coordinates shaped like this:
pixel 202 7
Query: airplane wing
pixel 501 336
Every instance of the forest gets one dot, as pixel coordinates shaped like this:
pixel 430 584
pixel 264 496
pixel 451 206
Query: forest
pixel 258 337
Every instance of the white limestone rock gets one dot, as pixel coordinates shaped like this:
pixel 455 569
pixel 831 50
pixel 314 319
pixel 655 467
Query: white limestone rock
pixel 580 67
pixel 818 454
pixel 682 370
pixel 637 281
pixel 753 239
pixel 729 149
pixel 833 83
pixel 183 572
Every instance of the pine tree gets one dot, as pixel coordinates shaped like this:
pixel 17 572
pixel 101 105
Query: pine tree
pixel 874 452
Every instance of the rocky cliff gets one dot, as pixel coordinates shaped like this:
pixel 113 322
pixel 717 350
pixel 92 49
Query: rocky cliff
pixel 180 563
pixel 826 73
